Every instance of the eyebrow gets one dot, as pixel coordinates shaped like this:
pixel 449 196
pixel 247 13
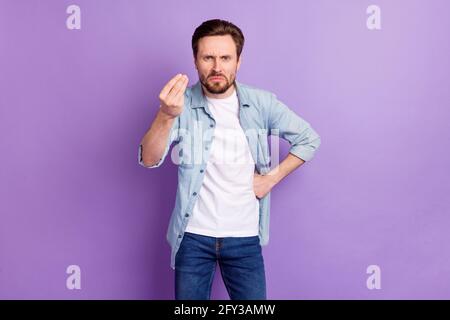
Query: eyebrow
pixel 210 55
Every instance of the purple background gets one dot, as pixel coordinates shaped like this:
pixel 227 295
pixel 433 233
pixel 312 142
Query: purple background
pixel 76 103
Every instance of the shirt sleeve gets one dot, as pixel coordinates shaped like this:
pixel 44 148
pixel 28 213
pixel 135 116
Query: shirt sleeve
pixel 283 122
pixel 173 136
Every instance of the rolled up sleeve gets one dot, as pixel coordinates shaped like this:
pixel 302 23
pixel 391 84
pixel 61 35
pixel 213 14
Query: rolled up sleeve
pixel 173 136
pixel 283 122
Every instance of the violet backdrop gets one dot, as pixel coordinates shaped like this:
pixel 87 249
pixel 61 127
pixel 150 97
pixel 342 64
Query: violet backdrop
pixel 74 105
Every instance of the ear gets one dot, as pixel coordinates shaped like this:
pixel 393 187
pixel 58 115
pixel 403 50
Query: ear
pixel 195 63
pixel 239 63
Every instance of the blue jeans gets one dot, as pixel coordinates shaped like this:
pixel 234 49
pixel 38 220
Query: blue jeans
pixel 241 265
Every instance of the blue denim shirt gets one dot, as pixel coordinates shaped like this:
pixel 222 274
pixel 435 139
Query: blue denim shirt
pixel 260 114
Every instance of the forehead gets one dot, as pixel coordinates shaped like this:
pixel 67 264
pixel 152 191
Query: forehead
pixel 217 45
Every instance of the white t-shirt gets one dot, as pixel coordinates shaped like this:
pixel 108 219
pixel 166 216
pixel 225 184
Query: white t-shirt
pixel 227 205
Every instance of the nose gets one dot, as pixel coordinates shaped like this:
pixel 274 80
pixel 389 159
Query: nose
pixel 217 68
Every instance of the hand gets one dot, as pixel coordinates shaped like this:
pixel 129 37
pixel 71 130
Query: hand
pixel 172 96
pixel 262 185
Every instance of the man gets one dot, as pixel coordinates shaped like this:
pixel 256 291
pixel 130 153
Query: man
pixel 221 126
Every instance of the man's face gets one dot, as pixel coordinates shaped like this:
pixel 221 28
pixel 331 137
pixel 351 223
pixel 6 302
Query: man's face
pixel 217 63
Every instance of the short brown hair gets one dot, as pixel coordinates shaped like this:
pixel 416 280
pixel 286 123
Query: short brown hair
pixel 217 27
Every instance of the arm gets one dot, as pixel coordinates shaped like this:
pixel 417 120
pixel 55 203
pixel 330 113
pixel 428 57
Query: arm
pixel 263 184
pixel 303 139
pixel 163 131
pixel 154 142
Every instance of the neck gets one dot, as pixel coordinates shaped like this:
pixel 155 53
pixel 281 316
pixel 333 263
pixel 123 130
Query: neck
pixel 224 95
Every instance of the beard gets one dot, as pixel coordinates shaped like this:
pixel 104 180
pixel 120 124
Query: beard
pixel 218 87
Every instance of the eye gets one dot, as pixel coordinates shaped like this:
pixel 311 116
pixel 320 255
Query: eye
pixel 226 58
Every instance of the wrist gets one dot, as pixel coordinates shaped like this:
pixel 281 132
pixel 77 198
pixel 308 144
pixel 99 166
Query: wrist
pixel 274 176
pixel 164 116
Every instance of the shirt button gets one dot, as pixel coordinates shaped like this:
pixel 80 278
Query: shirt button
pixel 201 170
pixel 211 125
pixel 206 148
pixel 179 236
pixel 186 215
pixel 195 193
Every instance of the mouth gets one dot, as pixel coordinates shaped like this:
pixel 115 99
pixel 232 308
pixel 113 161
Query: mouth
pixel 216 78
